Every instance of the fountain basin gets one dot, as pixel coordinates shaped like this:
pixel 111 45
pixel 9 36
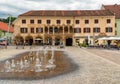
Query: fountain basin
pixel 62 66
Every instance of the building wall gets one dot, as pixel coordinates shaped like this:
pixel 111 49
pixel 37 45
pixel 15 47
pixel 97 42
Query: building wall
pixel 117 21
pixel 118 26
pixel 79 36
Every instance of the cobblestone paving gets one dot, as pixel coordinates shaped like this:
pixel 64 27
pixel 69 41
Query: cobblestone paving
pixel 112 55
pixel 92 69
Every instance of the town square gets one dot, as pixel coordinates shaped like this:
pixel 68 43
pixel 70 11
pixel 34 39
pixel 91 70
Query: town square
pixel 91 66
pixel 70 42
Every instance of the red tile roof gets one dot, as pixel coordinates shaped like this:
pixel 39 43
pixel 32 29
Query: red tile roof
pixel 68 13
pixel 114 8
pixel 4 27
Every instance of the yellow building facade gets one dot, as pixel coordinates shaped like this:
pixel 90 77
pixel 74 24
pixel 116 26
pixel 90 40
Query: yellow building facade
pixel 66 27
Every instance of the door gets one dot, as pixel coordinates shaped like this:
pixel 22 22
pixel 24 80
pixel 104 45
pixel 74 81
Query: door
pixel 69 42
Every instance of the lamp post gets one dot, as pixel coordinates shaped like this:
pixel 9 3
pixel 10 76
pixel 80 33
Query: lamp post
pixel 9 23
pixel 93 38
pixel 8 39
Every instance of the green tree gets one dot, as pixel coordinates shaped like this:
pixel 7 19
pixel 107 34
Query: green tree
pixel 6 20
pixel 0 33
pixel 12 19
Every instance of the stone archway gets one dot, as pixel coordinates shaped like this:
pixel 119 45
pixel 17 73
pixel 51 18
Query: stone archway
pixel 39 40
pixel 18 38
pixel 71 29
pixel 61 30
pixel 66 29
pixel 51 30
pixel 46 29
pixel 58 40
pixel 48 40
pixel 29 39
pixel 56 29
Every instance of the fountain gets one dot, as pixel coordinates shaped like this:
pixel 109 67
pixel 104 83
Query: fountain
pixel 21 65
pixel 13 63
pixel 7 66
pixel 26 63
pixel 51 61
pixel 38 65
pixel 34 64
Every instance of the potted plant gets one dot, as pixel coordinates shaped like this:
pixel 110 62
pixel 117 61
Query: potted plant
pixel 84 44
pixel 118 46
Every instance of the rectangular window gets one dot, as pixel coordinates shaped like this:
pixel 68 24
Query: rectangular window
pixel 39 21
pixel 108 21
pixel 86 30
pixel 23 21
pixel 32 30
pixel 23 30
pixel 48 22
pixel 77 30
pixel 86 21
pixel 115 32
pixel 66 29
pixel 109 29
pixel 39 30
pixel 32 21
pixel 68 21
pixel 115 24
pixel 96 21
pixel 96 30
pixel 58 22
pixel 77 21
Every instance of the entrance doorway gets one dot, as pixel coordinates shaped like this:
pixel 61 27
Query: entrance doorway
pixel 49 41
pixel 29 40
pixel 39 41
pixel 69 42
pixel 57 41
pixel 86 41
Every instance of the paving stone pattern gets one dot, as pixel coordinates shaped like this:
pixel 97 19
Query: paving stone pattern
pixel 92 68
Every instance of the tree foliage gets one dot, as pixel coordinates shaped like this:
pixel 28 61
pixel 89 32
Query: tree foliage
pixel 0 33
pixel 6 20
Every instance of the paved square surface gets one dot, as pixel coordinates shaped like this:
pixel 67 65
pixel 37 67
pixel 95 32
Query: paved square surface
pixel 95 66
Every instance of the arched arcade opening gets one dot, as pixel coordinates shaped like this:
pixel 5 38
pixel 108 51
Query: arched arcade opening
pixel 29 40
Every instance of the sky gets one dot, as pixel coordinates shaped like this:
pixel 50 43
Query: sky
pixel 16 7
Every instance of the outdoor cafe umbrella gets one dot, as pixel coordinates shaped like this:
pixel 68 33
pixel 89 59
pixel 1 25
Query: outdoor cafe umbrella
pixel 109 38
pixel 103 38
pixel 38 39
pixel 113 38
pixel 2 39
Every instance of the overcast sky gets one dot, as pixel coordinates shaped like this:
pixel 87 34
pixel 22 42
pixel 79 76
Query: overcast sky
pixel 16 7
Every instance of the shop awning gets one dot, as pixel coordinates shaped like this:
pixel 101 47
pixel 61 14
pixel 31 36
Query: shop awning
pixel 109 38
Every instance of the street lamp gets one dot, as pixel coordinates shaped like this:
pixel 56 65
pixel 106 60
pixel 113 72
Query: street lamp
pixel 9 23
